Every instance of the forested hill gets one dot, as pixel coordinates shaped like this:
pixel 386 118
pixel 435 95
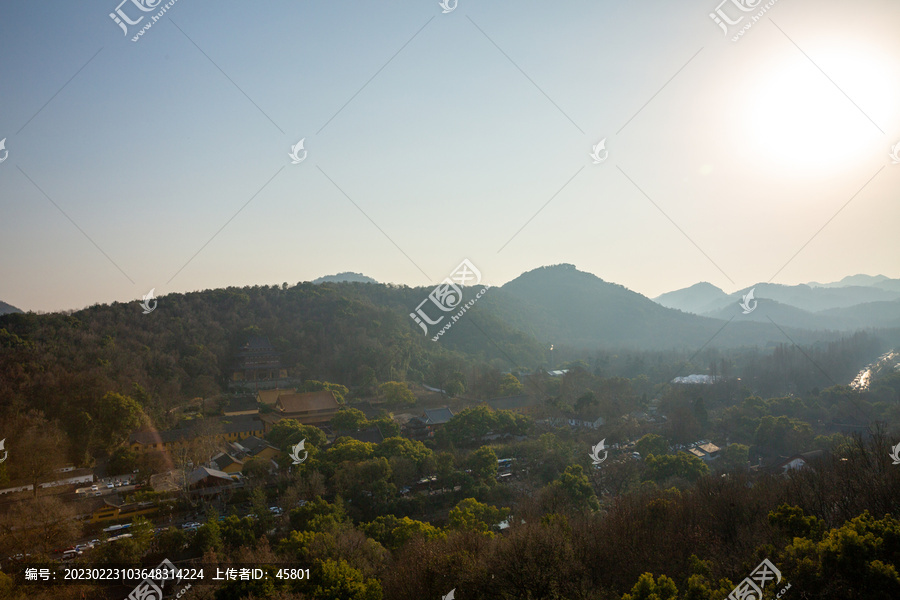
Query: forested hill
pixel 339 332
pixel 7 308
pixel 346 276
pixel 569 306
pixel 565 306
pixel 187 345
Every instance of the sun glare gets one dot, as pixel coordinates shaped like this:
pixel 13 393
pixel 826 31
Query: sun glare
pixel 803 120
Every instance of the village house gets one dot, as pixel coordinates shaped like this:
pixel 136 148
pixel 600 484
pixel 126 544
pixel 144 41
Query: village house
pixel 254 447
pixel 424 426
pixel 205 481
pixel 796 462
pixel 705 451
pixel 226 463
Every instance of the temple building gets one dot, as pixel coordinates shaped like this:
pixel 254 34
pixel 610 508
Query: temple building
pixel 309 408
pixel 258 360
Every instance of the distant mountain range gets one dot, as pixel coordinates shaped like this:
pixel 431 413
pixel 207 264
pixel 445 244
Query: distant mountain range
pixel 855 302
pixel 345 277
pixel 8 308
pixel 562 305
pixel 863 280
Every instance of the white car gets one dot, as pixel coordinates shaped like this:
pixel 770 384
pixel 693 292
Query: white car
pixel 275 510
pixel 110 486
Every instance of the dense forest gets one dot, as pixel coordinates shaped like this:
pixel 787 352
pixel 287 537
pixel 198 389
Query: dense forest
pixel 688 536
pixel 80 368
pixel 402 518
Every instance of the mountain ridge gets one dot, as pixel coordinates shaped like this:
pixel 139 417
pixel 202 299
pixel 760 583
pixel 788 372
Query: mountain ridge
pixel 8 308
pixel 345 277
pixel 703 300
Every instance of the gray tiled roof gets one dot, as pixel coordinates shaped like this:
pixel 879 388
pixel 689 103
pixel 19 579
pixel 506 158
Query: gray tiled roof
pixel 437 416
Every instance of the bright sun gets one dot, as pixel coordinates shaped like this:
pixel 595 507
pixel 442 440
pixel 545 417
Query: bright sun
pixel 801 119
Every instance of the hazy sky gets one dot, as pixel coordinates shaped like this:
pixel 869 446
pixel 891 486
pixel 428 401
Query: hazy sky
pixel 435 137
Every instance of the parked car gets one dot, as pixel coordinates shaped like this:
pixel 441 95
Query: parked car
pixel 275 510
pixel 71 554
pixel 193 525
pixel 94 488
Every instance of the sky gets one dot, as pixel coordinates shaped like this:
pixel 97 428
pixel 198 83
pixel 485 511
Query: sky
pixel 430 137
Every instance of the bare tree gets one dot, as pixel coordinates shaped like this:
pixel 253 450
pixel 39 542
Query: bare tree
pixel 36 450
pixel 38 526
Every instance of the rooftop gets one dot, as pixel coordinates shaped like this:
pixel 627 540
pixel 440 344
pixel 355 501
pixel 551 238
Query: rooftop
pixel 240 404
pixel 437 416
pixel 202 473
pixel 323 400
pixel 709 448
pixel 222 461
pixel 270 396
pixel 254 445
